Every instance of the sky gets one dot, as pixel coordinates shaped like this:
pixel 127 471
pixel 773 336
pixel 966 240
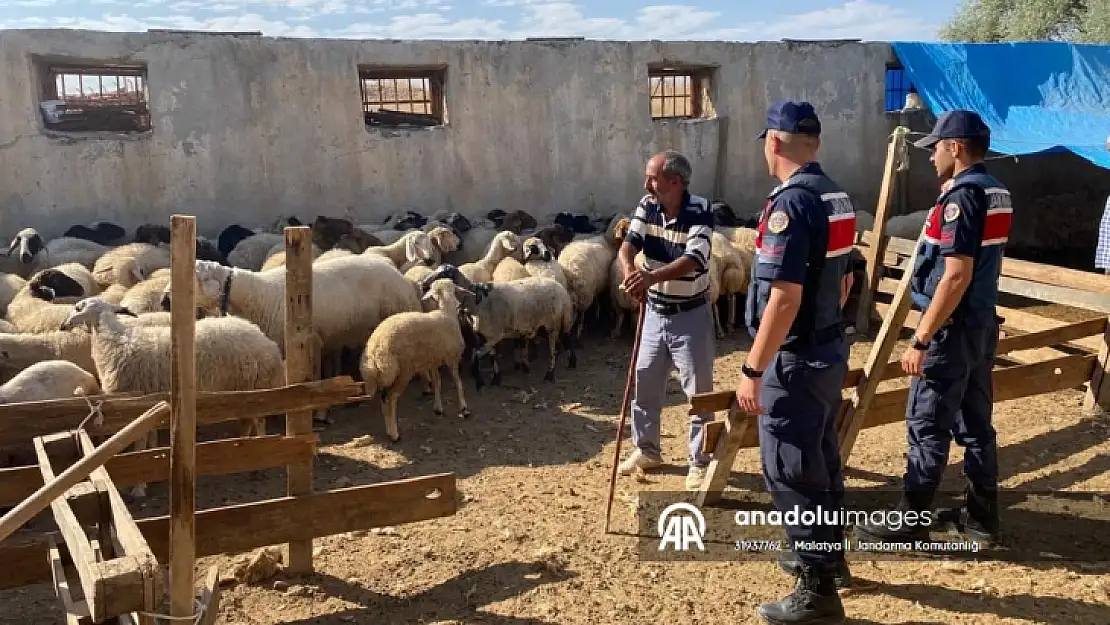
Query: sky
pixel 730 20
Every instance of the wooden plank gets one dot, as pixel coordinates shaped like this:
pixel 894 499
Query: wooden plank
pixel 210 597
pixel 54 486
pixel 1097 302
pixel 724 456
pixel 1009 383
pixel 876 364
pixel 299 367
pixel 183 421
pixel 124 535
pixel 1098 391
pixel 875 252
pixel 222 457
pixel 1075 279
pixel 237 529
pixel 110 588
pixel 76 612
pixel 22 421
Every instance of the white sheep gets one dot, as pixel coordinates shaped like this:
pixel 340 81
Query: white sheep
pixel 443 240
pixel 276 256
pixel 411 343
pixel 504 244
pixel 232 354
pixel 64 250
pixel 46 380
pixel 732 275
pixel 586 263
pixel 518 310
pixel 336 252
pixel 620 301
pixel 20 350
pixel 29 313
pixel 65 280
pixel 509 269
pixel 130 264
pixel 251 252
pixel 415 246
pixel 539 261
pixel 10 284
pixel 352 295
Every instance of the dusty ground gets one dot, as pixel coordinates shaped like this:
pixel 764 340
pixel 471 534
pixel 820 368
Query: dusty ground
pixel 527 544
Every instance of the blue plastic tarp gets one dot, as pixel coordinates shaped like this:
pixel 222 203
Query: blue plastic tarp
pixel 1035 96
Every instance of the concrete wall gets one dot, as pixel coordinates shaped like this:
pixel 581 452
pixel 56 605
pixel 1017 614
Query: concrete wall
pixel 246 129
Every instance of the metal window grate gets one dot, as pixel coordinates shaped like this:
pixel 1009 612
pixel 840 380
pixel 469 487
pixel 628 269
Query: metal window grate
pixel 898 86
pixel 96 98
pixel 673 95
pixel 406 95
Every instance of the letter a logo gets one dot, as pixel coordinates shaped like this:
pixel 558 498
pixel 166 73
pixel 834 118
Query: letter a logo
pixel 680 530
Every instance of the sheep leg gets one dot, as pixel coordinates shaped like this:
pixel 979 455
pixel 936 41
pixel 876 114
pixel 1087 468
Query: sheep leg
pixel 618 313
pixel 389 409
pixel 732 312
pixel 552 344
pixel 523 346
pixel 496 379
pixel 433 378
pixel 717 321
pixel 464 410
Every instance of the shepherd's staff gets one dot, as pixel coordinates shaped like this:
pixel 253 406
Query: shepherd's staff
pixel 624 410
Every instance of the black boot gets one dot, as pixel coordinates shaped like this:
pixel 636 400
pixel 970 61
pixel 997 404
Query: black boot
pixel 790 564
pixel 912 501
pixel 813 602
pixel 978 517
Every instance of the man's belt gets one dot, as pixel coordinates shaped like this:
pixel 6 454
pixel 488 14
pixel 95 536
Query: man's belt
pixel 678 307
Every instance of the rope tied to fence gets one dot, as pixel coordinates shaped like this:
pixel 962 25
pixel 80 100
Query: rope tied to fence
pixel 94 411
pixel 195 617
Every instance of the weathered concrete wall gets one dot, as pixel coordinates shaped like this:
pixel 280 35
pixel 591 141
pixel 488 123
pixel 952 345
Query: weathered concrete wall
pixel 247 129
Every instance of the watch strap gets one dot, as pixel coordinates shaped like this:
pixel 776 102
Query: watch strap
pixel 751 373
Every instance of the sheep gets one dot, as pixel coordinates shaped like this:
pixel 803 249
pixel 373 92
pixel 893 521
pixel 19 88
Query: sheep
pixel 232 353
pixel 230 236
pixel 66 280
pixel 6 326
pixel 130 264
pixel 28 243
pixel 619 300
pixel 505 243
pixel 359 291
pixel 539 261
pixel 115 293
pixel 29 313
pixel 409 343
pixel 10 284
pixel 413 246
pixel 20 350
pixel 251 252
pixel 519 309
pixel 732 277
pixel 102 232
pixel 509 269
pixel 473 245
pixel 586 263
pixel 332 253
pixel 146 297
pixel 276 256
pixel 48 379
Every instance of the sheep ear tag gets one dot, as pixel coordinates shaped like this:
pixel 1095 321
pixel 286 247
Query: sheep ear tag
pixel 777 222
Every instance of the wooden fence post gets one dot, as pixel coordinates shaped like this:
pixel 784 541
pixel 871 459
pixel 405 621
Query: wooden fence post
pixel 299 351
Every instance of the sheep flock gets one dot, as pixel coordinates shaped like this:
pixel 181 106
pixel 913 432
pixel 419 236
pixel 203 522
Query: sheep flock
pixel 392 301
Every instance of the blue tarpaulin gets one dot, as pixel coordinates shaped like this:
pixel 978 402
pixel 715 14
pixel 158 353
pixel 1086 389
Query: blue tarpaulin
pixel 1035 96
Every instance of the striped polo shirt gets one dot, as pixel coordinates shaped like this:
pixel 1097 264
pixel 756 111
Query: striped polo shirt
pixel 664 241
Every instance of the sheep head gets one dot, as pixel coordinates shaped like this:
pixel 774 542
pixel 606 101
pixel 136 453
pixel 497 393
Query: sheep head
pixel 211 278
pixel 50 284
pixel 620 230
pixel 505 243
pixel 444 238
pixel 535 249
pixel 418 247
pixel 91 312
pixel 448 297
pixel 29 242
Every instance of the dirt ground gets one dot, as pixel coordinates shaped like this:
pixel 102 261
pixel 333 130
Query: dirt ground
pixel 527 547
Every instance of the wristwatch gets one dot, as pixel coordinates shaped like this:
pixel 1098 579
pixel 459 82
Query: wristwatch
pixel 751 373
pixel 918 345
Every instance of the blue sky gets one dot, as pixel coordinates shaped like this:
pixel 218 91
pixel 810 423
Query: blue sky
pixel 738 20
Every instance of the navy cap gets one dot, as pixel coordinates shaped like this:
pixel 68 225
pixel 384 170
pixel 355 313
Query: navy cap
pixel 793 117
pixel 958 124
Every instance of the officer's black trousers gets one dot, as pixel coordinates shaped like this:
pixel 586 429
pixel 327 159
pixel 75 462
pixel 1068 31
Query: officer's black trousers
pixel 954 400
pixel 801 462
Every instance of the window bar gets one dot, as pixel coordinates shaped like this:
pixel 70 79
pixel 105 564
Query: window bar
pixel 408 84
pixel 381 94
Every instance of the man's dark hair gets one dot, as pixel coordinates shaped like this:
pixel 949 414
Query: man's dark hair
pixel 977 147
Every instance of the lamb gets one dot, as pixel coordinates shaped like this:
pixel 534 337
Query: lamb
pixel 359 291
pixel 505 243
pixel 130 264
pixel 509 269
pixel 232 353
pixel 49 379
pixel 519 309
pixel 413 246
pixel 539 261
pixel 10 284
pixel 409 343
pixel 586 263
pixel 146 297
pixel 251 252
pixel 29 313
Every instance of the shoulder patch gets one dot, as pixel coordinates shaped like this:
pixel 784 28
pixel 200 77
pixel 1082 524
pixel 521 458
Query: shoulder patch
pixel 778 221
pixel 951 212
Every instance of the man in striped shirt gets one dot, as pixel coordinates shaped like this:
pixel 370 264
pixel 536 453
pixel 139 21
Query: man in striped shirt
pixel 672 228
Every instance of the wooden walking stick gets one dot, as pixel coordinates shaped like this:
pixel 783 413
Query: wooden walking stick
pixel 625 407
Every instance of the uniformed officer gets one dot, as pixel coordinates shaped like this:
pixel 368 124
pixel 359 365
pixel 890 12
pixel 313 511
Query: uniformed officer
pixel 795 370
pixel 955 284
